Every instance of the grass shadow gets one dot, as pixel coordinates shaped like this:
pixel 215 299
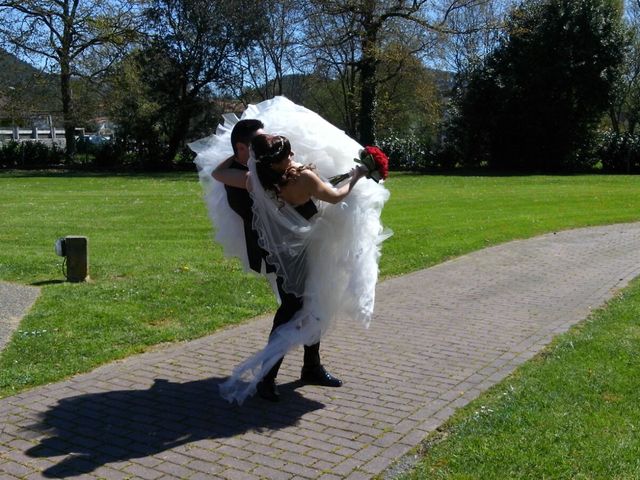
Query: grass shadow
pixel 46 282
pixel 95 429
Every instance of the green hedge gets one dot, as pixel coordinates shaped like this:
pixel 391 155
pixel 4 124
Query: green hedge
pixel 30 155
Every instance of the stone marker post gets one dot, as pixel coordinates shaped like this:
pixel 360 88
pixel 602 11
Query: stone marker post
pixel 77 258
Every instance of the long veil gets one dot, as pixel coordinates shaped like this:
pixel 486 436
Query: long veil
pixel 282 232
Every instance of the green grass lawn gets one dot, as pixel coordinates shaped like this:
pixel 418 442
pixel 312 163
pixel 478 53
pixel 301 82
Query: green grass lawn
pixel 157 277
pixel 438 217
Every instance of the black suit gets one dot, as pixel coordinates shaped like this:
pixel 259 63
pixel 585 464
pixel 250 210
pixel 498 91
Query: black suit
pixel 240 202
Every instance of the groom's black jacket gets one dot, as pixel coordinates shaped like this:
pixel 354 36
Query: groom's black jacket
pixel 240 202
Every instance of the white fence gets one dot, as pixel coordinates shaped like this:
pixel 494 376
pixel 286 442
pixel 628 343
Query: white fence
pixel 48 136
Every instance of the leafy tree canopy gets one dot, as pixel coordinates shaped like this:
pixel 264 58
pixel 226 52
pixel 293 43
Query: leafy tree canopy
pixel 536 101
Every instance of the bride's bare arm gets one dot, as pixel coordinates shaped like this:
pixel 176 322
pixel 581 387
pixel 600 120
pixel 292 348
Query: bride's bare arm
pixel 322 191
pixel 230 176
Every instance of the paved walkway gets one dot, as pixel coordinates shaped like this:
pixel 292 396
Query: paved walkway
pixel 439 338
pixel 15 301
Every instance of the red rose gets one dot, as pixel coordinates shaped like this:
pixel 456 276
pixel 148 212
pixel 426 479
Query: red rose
pixel 376 161
pixel 382 161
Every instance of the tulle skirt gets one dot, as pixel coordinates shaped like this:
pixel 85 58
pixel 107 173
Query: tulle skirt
pixel 343 249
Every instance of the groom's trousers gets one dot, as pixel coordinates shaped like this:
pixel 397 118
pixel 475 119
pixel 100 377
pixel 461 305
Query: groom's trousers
pixel 288 308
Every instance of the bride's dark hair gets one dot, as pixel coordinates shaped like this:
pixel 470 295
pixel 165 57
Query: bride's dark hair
pixel 270 149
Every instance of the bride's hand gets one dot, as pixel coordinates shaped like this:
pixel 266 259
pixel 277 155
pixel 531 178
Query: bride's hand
pixel 358 171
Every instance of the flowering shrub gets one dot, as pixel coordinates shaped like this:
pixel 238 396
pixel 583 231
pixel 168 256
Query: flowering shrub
pixel 410 153
pixel 619 152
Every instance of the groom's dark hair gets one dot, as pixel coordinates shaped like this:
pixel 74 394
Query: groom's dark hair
pixel 244 131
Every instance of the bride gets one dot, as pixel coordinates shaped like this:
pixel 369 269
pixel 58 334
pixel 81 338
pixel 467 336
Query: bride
pixel 323 241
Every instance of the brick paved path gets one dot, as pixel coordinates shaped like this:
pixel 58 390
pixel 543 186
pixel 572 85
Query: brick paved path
pixel 440 337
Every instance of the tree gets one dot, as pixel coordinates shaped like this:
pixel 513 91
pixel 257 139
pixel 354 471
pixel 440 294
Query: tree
pixel 536 101
pixel 411 102
pixel 135 109
pixel 188 51
pixel 368 25
pixel 484 27
pixel 61 33
pixel 274 53
pixel 624 111
pixel 332 52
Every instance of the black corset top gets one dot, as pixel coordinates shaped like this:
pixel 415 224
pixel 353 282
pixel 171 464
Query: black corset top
pixel 307 210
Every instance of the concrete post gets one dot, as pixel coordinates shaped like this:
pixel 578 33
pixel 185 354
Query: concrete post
pixel 76 248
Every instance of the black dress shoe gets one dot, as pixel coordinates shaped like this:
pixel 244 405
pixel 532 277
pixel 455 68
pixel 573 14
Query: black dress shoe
pixel 268 390
pixel 317 375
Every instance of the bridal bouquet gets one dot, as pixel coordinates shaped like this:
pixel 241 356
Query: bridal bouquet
pixel 374 160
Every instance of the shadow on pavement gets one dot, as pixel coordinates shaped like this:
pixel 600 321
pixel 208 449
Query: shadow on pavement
pixel 99 428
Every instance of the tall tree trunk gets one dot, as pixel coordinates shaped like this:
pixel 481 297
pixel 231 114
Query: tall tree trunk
pixel 183 115
pixel 367 103
pixel 632 122
pixel 176 140
pixel 64 55
pixel 613 117
pixel 368 87
pixel 349 102
pixel 67 105
pixel 179 132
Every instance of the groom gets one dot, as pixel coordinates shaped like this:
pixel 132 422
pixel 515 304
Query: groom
pixel 233 172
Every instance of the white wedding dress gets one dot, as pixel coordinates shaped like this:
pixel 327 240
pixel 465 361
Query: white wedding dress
pixel 338 248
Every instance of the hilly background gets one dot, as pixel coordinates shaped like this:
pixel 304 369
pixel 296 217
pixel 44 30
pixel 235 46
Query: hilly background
pixel 25 92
